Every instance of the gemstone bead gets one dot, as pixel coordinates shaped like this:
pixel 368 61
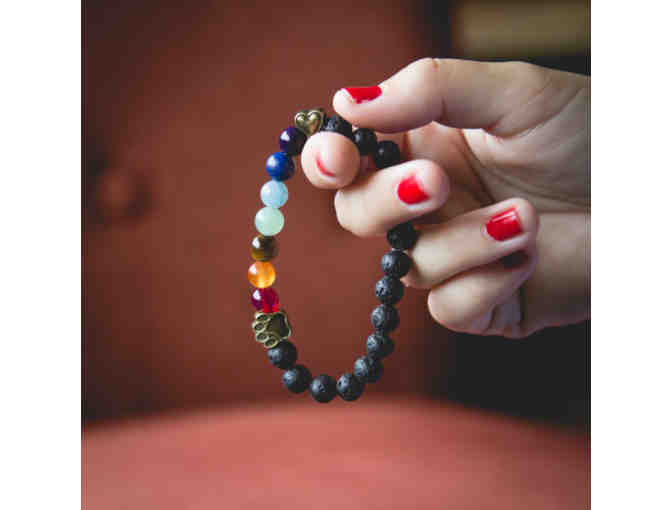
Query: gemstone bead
pixel 402 237
pixel 292 141
pixel 265 300
pixel 274 194
pixel 387 153
pixel 269 221
pixel 264 248
pixel 395 263
pixel 385 318
pixel 261 274
pixel 297 379
pixel 367 369
pixel 389 290
pixel 349 387
pixel 283 355
pixel 323 389
pixel 280 166
pixel 337 124
pixel 379 345
pixel 365 140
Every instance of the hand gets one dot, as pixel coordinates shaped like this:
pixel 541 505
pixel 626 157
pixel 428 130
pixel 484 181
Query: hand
pixel 497 179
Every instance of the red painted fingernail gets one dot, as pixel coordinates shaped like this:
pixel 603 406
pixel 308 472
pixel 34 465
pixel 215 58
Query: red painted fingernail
pixel 361 94
pixel 320 167
pixel 504 225
pixel 410 192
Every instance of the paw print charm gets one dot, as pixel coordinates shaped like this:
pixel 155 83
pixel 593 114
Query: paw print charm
pixel 271 328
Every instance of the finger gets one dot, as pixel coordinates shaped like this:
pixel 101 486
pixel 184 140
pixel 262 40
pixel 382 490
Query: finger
pixel 502 97
pixel 484 300
pixel 374 204
pixel 470 240
pixel 330 160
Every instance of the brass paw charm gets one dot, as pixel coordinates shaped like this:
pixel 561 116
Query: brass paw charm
pixel 271 328
pixel 310 121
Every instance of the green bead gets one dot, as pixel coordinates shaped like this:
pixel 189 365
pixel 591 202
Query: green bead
pixel 263 248
pixel 269 221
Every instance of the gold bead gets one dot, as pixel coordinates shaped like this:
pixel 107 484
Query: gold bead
pixel 310 121
pixel 261 274
pixel 271 328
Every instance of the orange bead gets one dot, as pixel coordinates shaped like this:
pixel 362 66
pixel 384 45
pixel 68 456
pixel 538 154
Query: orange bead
pixel 261 274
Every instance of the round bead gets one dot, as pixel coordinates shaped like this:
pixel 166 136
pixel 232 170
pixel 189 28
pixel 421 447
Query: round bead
pixel 337 124
pixel 389 290
pixel 274 194
pixel 349 387
pixel 261 274
pixel 265 300
pixel 402 237
pixel 385 318
pixel 379 345
pixel 264 248
pixel 323 388
pixel 280 166
pixel 365 140
pixel 292 141
pixel 283 355
pixel 269 221
pixel 395 263
pixel 387 153
pixel 367 369
pixel 297 379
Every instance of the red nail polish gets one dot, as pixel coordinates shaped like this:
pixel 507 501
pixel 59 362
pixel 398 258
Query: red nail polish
pixel 410 192
pixel 504 225
pixel 361 94
pixel 320 167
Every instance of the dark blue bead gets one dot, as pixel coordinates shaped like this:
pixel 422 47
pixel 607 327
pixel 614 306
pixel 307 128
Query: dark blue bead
pixel 280 166
pixel 292 141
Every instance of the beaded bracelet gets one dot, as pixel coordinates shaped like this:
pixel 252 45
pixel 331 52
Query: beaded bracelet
pixel 271 326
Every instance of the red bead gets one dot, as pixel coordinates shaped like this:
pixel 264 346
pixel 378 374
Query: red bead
pixel 265 300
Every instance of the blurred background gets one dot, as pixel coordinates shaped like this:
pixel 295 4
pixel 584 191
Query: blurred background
pixel 182 105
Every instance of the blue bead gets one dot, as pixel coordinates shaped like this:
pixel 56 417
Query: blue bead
pixel 280 166
pixel 274 194
pixel 292 140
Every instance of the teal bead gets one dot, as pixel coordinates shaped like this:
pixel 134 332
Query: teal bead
pixel 274 194
pixel 269 221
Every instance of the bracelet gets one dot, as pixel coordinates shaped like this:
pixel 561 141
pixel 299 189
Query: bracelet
pixel 271 325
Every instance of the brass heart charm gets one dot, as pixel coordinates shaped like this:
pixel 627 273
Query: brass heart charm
pixel 271 328
pixel 310 121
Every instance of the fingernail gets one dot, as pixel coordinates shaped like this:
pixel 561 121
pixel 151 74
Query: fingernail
pixel 322 169
pixel 361 94
pixel 410 192
pixel 504 225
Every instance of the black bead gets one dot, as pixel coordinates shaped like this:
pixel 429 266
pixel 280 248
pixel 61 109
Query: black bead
pixel 297 379
pixel 396 263
pixel 283 355
pixel 338 124
pixel 349 387
pixel 387 153
pixel 402 237
pixel 385 318
pixel 368 369
pixel 389 290
pixel 379 345
pixel 323 388
pixel 292 141
pixel 365 140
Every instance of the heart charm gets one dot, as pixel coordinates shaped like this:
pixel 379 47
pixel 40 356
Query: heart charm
pixel 310 121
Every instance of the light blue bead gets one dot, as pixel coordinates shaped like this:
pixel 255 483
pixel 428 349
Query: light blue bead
pixel 274 194
pixel 269 221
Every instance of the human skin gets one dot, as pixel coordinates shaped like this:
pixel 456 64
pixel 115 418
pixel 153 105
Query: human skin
pixel 480 139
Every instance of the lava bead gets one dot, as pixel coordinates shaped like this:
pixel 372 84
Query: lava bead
pixel 269 221
pixel 349 387
pixel 385 318
pixel 337 124
pixel 395 263
pixel 261 274
pixel 283 355
pixel 379 345
pixel 323 389
pixel 402 237
pixel 386 154
pixel 264 248
pixel 280 166
pixel 368 369
pixel 389 290
pixel 292 141
pixel 365 140
pixel 297 379
pixel 265 300
pixel 274 194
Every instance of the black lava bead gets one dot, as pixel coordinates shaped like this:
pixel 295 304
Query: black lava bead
pixel 365 140
pixel 387 153
pixel 385 318
pixel 368 369
pixel 297 379
pixel 379 345
pixel 292 141
pixel 395 263
pixel 402 237
pixel 283 355
pixel 349 387
pixel 389 290
pixel 323 388
pixel 338 124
